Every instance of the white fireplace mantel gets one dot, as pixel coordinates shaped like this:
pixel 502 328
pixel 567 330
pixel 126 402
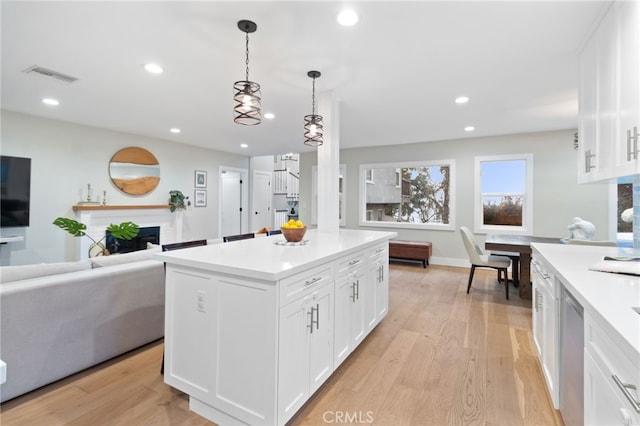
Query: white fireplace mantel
pixel 97 218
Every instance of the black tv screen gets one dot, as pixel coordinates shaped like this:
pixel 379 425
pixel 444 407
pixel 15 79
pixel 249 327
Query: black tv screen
pixel 15 190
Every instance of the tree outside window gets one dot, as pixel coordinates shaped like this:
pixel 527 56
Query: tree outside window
pixel 410 194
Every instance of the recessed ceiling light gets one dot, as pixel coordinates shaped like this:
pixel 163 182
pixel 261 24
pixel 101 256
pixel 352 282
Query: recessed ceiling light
pixel 269 115
pixel 347 18
pixel 469 129
pixel 244 145
pixel 153 68
pixel 50 101
pixel 462 100
pixel 174 130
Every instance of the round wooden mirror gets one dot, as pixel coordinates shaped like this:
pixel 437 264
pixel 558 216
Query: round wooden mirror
pixel 134 171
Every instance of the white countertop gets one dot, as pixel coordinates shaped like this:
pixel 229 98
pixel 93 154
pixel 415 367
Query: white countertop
pixel 605 295
pixel 261 258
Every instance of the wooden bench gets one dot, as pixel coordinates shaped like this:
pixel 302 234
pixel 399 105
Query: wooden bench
pixel 410 250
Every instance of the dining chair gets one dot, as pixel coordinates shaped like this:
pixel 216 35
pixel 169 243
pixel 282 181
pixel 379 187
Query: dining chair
pixel 479 259
pixel 230 238
pixel 593 243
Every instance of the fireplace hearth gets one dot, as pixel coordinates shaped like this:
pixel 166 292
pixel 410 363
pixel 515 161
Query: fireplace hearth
pixel 148 234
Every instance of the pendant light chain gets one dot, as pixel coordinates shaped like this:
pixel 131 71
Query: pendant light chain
pixel 313 97
pixel 246 61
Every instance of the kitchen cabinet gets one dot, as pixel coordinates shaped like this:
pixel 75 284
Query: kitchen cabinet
pixel 252 328
pixel 546 323
pixel 378 284
pixel 611 380
pixel 609 329
pixel 349 306
pixel 305 347
pixel 610 96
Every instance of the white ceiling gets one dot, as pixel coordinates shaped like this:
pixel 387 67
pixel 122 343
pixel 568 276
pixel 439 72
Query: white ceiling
pixel 396 72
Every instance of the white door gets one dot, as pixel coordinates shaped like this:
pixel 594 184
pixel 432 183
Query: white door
pixel 260 200
pixel 233 201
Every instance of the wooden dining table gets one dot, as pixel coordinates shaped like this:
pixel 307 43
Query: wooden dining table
pixel 519 244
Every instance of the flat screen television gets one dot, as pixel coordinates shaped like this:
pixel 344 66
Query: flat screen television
pixel 15 191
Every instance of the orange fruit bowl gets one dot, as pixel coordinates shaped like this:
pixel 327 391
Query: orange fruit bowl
pixel 294 235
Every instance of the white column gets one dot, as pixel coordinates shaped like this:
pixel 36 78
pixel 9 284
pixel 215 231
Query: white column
pixel 329 164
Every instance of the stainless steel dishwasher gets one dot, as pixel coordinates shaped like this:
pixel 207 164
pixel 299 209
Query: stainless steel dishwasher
pixel 572 363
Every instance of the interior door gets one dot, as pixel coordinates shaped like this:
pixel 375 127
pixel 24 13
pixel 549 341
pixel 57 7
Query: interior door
pixel 260 200
pixel 233 201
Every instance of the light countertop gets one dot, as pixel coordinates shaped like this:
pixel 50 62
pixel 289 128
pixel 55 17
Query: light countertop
pixel 261 258
pixel 605 295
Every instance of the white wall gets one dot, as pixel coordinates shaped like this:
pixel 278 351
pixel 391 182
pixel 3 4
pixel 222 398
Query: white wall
pixel 65 157
pixel 558 197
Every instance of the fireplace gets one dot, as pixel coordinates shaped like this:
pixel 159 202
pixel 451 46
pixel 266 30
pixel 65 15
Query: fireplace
pixel 148 234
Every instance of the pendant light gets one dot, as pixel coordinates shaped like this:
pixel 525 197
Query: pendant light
pixel 247 93
pixel 313 123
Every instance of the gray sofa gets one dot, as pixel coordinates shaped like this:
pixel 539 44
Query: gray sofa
pixel 58 319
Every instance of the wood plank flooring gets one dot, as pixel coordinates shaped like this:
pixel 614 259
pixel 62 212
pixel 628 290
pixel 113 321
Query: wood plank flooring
pixel 440 357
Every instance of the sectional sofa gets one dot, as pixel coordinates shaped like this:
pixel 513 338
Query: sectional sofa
pixel 58 319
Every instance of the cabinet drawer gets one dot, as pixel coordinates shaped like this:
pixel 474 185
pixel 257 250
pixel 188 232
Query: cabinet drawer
pixel 350 263
pixel 297 286
pixel 620 371
pixel 379 252
pixel 544 273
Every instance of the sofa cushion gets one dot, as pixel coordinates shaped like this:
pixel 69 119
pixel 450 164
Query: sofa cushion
pixel 119 259
pixel 23 272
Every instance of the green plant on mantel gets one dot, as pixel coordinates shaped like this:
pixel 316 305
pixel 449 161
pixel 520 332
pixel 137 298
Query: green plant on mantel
pixel 123 231
pixel 178 201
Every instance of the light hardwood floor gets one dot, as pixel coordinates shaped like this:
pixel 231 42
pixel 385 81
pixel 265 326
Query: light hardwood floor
pixel 440 357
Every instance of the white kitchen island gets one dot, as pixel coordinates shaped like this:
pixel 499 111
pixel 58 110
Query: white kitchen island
pixel 253 327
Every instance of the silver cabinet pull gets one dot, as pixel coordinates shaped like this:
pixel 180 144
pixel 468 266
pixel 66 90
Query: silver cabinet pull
pixel 380 250
pixel 310 325
pixel 317 321
pixel 587 161
pixel 312 281
pixel 632 144
pixel 357 286
pixel 624 387
pixel 354 262
pixel 353 292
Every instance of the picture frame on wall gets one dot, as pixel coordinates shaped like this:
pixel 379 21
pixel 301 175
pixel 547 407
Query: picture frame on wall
pixel 200 199
pixel 200 180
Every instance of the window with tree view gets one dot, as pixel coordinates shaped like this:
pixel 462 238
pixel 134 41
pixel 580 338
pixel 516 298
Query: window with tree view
pixel 408 194
pixel 503 190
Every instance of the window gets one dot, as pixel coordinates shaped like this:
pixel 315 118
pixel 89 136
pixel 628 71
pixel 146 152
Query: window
pixel 504 194
pixel 624 210
pixel 411 195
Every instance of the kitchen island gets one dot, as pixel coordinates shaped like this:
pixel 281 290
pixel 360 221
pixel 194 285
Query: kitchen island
pixel 608 334
pixel 254 327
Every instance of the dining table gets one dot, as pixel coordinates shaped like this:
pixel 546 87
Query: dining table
pixel 520 244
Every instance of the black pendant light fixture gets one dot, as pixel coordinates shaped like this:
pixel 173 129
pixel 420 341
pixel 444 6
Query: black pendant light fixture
pixel 313 123
pixel 247 93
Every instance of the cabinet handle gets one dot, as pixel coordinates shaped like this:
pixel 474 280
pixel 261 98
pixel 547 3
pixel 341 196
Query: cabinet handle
pixel 354 262
pixel 353 292
pixel 587 161
pixel 624 387
pixel 310 325
pixel 632 144
pixel 317 321
pixel 380 250
pixel 357 285
pixel 312 281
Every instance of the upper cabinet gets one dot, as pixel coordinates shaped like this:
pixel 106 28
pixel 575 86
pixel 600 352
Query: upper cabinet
pixel 610 96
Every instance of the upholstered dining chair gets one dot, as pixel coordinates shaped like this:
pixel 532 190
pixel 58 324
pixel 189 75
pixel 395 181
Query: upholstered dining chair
pixel 479 259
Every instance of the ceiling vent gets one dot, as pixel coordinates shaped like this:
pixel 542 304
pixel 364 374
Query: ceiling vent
pixel 50 73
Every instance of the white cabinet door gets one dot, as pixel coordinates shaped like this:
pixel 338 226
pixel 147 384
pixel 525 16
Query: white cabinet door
pixel 550 348
pixel 627 18
pixel 588 106
pixel 357 294
pixel 305 349
pixel 342 335
pixel 321 337
pixel 538 322
pixel 293 368
pixel 602 403
pixel 382 288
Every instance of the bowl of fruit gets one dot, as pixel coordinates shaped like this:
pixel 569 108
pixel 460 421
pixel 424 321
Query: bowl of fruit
pixel 293 231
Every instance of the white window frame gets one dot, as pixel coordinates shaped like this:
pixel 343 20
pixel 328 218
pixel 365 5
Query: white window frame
pixel 527 212
pixel 362 213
